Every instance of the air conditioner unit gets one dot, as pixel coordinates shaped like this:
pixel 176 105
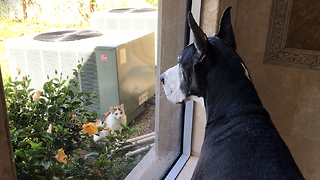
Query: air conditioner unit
pixel 118 67
pixel 126 19
pixel 141 19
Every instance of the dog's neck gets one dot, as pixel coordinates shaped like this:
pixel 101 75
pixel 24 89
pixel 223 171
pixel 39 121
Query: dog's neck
pixel 229 94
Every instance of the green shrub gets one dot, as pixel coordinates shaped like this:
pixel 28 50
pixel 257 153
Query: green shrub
pixel 46 133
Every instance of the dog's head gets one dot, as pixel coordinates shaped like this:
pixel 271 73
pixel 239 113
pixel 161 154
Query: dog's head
pixel 188 77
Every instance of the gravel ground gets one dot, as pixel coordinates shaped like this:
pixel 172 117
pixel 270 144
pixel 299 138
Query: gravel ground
pixel 146 120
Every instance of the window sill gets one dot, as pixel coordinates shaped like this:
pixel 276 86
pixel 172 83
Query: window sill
pixel 152 166
pixel 187 171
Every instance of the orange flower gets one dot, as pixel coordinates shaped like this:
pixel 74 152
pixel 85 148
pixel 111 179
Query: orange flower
pixel 96 171
pixel 61 156
pixel 18 68
pixel 90 128
pixel 23 79
pixel 37 95
pixel 74 116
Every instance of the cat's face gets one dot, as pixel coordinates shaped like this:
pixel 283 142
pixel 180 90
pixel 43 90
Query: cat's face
pixel 118 112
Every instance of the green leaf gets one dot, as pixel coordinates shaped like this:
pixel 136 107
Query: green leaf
pixel 26 113
pixel 100 128
pixel 75 73
pixel 60 100
pixel 126 143
pixel 30 90
pixel 76 103
pixel 71 93
pixel 36 163
pixel 81 161
pixel 46 165
pixel 30 128
pixel 49 137
pixel 40 126
pixel 42 101
pixel 12 131
pixel 22 144
pixel 49 143
pixel 22 164
pixel 20 153
pixel 34 145
pixel 93 154
pixel 38 145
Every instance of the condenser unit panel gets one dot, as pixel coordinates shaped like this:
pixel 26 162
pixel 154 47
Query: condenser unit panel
pixel 107 78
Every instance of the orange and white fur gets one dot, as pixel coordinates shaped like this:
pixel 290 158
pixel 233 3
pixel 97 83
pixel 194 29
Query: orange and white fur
pixel 111 122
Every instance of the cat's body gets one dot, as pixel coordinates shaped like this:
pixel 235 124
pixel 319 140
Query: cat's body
pixel 116 117
pixel 111 122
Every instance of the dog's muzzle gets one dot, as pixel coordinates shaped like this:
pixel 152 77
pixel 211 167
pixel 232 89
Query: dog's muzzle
pixel 171 81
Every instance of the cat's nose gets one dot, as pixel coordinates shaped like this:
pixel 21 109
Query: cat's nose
pixel 162 78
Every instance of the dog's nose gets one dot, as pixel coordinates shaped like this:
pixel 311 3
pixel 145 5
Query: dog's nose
pixel 162 78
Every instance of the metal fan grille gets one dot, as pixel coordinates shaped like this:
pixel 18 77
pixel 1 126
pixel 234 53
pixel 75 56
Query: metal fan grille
pixel 67 35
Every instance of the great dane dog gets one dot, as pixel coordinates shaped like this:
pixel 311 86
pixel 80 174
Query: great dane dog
pixel 240 141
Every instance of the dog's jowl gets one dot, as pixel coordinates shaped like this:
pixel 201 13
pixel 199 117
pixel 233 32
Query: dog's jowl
pixel 240 141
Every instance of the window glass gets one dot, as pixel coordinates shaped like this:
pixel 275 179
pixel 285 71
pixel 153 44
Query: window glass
pixel 79 81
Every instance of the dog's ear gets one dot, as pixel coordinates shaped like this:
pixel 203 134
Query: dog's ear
pixel 200 38
pixel 226 31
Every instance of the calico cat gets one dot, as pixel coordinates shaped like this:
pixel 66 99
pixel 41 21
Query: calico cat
pixel 111 122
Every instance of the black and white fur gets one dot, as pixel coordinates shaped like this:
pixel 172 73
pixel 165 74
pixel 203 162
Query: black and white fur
pixel 240 141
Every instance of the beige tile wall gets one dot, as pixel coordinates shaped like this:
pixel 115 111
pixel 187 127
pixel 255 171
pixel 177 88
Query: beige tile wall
pixel 291 95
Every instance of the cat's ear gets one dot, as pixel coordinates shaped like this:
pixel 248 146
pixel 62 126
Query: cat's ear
pixel 107 113
pixel 111 109
pixel 122 106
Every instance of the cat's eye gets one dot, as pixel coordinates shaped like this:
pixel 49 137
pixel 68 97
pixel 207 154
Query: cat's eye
pixel 116 114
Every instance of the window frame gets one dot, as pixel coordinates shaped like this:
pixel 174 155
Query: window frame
pixel 152 166
pixel 188 112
